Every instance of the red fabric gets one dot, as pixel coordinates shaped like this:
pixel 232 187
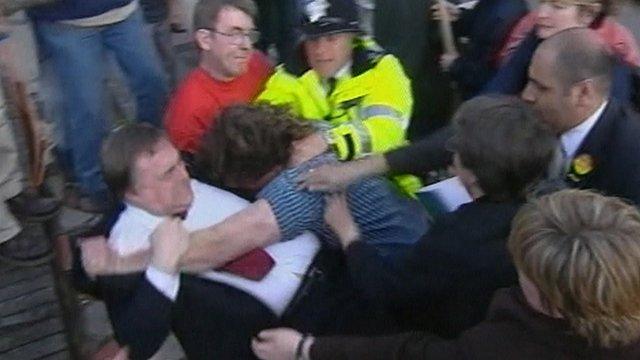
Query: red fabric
pixel 619 38
pixel 253 265
pixel 199 99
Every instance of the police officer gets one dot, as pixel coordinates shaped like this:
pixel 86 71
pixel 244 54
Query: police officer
pixel 347 80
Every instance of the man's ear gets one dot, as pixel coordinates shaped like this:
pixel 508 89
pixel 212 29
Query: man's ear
pixel 203 40
pixel 131 196
pixel 582 93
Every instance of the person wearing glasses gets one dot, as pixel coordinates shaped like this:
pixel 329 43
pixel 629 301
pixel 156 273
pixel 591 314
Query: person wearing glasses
pixel 343 80
pixel 230 71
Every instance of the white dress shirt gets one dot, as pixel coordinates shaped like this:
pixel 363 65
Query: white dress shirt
pixel 573 138
pixel 210 206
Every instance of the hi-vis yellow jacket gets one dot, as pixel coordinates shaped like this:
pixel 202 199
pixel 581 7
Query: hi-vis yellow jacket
pixel 367 112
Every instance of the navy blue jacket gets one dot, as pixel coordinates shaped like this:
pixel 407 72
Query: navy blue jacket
pixel 74 9
pixel 215 321
pixel 614 147
pixel 512 78
pixel 446 281
pixel 486 26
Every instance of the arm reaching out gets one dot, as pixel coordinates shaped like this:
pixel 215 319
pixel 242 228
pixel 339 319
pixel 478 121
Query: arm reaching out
pixel 253 227
pixel 337 177
pixel 99 259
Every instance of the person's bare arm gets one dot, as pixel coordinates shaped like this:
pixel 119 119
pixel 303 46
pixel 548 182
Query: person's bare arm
pixel 253 227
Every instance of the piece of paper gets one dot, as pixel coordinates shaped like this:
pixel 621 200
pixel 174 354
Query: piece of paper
pixel 444 196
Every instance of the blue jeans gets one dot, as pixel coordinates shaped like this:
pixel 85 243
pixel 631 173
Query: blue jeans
pixel 78 54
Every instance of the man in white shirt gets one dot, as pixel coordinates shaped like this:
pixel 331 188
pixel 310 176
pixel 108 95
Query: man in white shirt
pixel 142 167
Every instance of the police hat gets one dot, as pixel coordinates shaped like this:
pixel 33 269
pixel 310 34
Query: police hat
pixel 326 17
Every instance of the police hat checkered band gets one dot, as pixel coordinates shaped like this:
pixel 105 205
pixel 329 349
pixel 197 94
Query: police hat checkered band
pixel 328 26
pixel 316 9
pixel 574 2
pixel 330 21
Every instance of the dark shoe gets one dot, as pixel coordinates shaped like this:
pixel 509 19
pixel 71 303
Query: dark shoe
pixel 177 28
pixel 31 207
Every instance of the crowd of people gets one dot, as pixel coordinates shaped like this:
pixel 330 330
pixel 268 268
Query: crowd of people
pixel 264 206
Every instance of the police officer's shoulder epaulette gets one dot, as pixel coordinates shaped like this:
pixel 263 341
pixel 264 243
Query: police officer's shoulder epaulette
pixel 366 55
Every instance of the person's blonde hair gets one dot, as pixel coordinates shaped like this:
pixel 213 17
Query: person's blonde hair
pixel 598 8
pixel 582 252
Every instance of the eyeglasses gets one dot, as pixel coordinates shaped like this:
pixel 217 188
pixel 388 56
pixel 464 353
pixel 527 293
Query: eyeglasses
pixel 238 36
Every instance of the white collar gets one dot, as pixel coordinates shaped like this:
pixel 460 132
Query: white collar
pixel 146 218
pixel 573 138
pixel 344 71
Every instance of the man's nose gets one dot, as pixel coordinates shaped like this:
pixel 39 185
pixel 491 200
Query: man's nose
pixel 527 94
pixel 246 42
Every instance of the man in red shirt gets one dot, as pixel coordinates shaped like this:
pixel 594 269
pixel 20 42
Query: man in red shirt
pixel 230 71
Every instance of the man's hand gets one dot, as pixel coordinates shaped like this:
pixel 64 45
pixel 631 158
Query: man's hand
pixel 338 216
pixel 452 10
pixel 168 242
pixel 276 344
pixel 333 178
pixel 96 255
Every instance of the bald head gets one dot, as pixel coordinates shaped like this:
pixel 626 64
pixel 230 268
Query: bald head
pixel 578 54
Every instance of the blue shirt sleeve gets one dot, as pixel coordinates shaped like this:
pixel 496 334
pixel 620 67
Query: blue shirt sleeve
pixel 295 210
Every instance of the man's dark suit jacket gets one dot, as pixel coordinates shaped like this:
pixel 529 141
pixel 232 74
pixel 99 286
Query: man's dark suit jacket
pixel 613 144
pixel 211 320
pixel 445 282
pixel 215 321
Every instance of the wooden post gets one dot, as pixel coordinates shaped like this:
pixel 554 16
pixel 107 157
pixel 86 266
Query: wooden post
pixel 446 32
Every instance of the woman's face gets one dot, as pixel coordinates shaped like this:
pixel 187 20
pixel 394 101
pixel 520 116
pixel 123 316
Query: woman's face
pixel 555 16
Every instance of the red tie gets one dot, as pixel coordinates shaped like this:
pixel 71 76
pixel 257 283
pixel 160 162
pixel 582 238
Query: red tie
pixel 253 265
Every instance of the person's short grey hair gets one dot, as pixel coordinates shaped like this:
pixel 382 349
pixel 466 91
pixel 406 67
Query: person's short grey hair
pixel 206 11
pixel 579 54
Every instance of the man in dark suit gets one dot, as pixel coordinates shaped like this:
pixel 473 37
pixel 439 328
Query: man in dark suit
pixel 569 79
